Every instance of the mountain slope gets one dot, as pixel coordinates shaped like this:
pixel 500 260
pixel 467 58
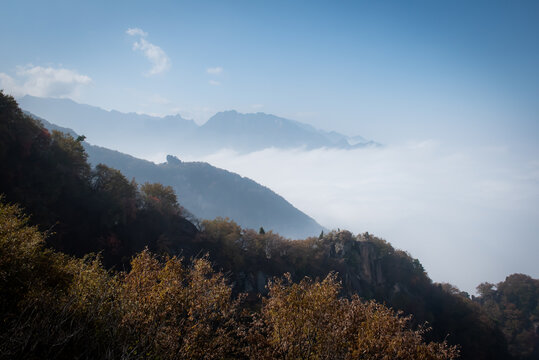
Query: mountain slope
pixel 209 192
pixel 98 210
pixel 144 135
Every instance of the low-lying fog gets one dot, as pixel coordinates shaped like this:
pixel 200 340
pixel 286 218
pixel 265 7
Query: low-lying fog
pixel 469 214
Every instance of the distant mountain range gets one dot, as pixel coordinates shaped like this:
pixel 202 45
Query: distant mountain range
pixel 209 192
pixel 147 135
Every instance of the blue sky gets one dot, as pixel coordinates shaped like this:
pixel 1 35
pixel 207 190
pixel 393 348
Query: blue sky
pixel 450 87
pixel 388 70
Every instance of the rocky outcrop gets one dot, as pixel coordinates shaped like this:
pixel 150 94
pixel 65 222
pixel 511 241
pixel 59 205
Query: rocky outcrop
pixel 357 259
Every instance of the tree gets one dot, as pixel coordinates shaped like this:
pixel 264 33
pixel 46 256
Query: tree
pixel 52 304
pixel 514 304
pixel 174 311
pixel 160 197
pixel 67 150
pixel 118 196
pixel 308 320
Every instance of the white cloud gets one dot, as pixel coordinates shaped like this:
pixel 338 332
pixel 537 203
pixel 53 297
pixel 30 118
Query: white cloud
pixel 9 84
pixel 136 31
pixel 159 59
pixel 214 82
pixel 475 208
pixel 257 106
pixel 214 70
pixel 44 81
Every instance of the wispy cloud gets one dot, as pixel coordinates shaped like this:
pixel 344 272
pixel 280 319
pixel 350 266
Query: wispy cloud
pixel 214 82
pixel 43 81
pixel 136 32
pixel 214 70
pixel 159 59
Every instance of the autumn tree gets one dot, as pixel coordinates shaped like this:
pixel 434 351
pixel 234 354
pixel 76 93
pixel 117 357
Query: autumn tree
pixel 160 197
pixel 178 312
pixel 56 306
pixel 308 320
pixel 52 304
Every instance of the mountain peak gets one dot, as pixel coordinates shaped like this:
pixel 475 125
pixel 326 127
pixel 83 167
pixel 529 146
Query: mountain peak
pixel 142 135
pixel 173 160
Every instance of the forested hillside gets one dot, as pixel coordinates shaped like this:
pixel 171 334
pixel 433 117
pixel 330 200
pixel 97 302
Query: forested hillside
pixel 160 308
pixel 56 306
pixel 209 192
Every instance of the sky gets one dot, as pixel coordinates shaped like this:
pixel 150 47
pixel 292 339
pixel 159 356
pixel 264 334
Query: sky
pixel 451 88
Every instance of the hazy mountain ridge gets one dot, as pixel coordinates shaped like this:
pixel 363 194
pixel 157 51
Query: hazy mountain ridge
pixel 136 133
pixel 209 192
pixel 249 132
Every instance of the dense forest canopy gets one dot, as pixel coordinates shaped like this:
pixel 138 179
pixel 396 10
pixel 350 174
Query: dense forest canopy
pixel 57 306
pixel 152 291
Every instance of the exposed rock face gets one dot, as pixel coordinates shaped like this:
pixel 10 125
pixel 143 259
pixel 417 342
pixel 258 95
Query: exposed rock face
pixel 367 266
pixel 371 268
pixel 358 261
pixel 173 160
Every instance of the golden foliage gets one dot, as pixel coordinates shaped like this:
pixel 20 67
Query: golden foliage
pixel 308 320
pixel 177 311
pixel 56 306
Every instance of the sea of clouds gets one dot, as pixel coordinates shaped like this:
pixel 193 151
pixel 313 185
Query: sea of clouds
pixel 468 214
